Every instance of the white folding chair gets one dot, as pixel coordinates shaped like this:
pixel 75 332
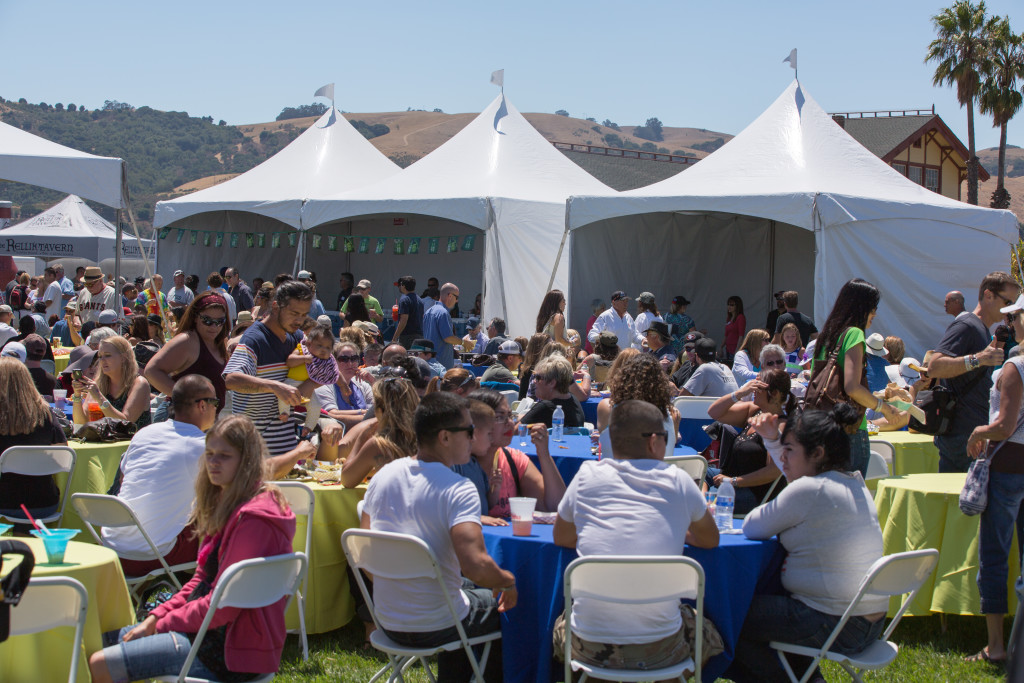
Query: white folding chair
pixel 878 468
pixel 49 602
pixel 885 449
pixel 98 510
pixel 302 502
pixel 48 365
pixel 637 580
pixel 694 465
pixel 40 461
pixel 249 584
pixel 897 574
pixel 693 407
pixel 401 557
pixel 510 395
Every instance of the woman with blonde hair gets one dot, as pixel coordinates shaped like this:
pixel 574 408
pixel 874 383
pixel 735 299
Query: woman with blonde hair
pixel 239 517
pixel 119 389
pixel 26 420
pixel 395 400
pixel 747 362
pixel 531 355
pixel 457 380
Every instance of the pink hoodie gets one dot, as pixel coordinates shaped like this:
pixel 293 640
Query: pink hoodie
pixel 255 637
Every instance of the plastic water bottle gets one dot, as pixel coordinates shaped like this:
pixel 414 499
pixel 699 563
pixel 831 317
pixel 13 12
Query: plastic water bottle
pixel 557 423
pixel 725 503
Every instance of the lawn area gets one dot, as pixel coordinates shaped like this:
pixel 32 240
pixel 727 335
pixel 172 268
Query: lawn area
pixel 926 654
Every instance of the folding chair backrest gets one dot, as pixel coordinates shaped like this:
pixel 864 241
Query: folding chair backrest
pixel 634 580
pixel 693 407
pixel 510 395
pixel 878 468
pixel 101 510
pixel 260 581
pixel 37 460
pixel 883 448
pixel 49 602
pixel 694 465
pixel 390 555
pixel 299 496
pixel 48 365
pixel 900 573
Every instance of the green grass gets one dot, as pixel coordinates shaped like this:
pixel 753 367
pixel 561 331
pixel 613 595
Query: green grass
pixel 926 654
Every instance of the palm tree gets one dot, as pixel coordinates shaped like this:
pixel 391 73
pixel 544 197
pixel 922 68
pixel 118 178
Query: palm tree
pixel 961 48
pixel 1000 95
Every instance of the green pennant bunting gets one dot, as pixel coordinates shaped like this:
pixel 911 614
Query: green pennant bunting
pixel 193 236
pixel 181 233
pixel 332 242
pixel 164 232
pixel 275 240
pixel 234 240
pixel 397 249
pixel 432 245
pixel 206 238
pixel 364 245
pixel 350 245
pixel 467 243
pixel 453 244
pixel 292 238
pixel 250 240
pixel 317 240
pixel 414 246
pixel 219 242
pixel 381 241
pixel 261 240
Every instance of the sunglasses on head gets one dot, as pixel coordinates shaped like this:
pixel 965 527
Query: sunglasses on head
pixel 211 322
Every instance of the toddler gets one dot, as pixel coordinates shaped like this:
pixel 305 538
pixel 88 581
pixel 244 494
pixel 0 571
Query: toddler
pixel 311 365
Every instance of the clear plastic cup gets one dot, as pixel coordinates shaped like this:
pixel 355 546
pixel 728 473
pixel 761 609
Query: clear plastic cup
pixel 60 397
pixel 4 528
pixel 522 515
pixel 55 543
pixel 524 435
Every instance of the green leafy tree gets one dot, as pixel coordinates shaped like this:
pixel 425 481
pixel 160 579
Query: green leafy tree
pixel 608 123
pixel 650 131
pixel 302 111
pixel 562 112
pixel 1000 93
pixel 960 50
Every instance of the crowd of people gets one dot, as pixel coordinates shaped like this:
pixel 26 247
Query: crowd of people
pixel 234 384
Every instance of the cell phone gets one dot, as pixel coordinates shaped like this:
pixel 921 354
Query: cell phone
pixel 76 375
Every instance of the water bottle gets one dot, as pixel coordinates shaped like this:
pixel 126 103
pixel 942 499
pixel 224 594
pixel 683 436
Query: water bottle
pixel 557 424
pixel 725 503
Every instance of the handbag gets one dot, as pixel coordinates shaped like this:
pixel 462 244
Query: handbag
pixel 106 430
pixel 974 495
pixel 828 385
pixel 13 584
pixel 939 404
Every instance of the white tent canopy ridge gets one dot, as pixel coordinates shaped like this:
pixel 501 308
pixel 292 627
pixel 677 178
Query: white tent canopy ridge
pixel 792 202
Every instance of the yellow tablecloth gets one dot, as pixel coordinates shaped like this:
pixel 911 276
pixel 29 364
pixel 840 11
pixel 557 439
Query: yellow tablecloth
pixel 61 362
pixel 42 657
pixel 95 469
pixel 921 511
pixel 329 603
pixel 913 453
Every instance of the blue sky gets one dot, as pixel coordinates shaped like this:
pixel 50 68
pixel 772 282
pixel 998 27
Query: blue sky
pixel 705 65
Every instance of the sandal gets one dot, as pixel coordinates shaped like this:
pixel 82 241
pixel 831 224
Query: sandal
pixel 983 656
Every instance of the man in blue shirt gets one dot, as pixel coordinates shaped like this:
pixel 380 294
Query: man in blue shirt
pixel 67 287
pixel 410 313
pixel 437 325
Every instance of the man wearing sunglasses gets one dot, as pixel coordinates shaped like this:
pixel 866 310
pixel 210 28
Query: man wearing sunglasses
pixel 158 474
pixel 423 497
pixel 963 360
pixel 437 326
pixel 711 378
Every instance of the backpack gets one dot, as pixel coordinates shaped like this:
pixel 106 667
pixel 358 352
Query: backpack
pixel 13 585
pixel 19 298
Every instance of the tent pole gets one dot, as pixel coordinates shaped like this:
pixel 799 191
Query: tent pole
pixel 771 263
pixel 497 252
pixel 561 246
pixel 117 254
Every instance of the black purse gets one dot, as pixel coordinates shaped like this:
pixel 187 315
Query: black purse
pixel 13 585
pixel 939 404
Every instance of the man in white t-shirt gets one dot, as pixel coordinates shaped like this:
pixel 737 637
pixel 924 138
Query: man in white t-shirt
pixel 159 473
pixel 7 332
pixel 711 378
pixel 96 297
pixel 53 296
pixel 423 497
pixel 620 506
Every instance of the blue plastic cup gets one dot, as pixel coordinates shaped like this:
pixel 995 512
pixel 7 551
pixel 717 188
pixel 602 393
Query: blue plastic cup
pixel 4 528
pixel 55 543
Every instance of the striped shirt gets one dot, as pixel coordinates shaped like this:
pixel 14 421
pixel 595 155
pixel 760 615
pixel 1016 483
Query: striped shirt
pixel 260 353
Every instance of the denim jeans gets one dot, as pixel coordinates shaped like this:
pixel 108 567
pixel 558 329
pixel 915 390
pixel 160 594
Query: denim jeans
pixel 783 618
pixel 1003 512
pixel 162 654
pixel 860 452
pixel 483 618
pixel 953 452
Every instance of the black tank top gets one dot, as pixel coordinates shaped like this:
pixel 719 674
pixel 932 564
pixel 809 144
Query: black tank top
pixel 210 368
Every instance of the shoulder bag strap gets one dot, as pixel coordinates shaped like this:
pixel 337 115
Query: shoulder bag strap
pixel 512 467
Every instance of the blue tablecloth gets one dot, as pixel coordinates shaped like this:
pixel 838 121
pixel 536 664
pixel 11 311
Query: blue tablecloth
pixel 572 452
pixel 690 431
pixel 477 370
pixel 732 572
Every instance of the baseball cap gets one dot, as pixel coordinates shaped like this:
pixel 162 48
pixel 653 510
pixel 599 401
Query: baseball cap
pixel 322 320
pixel 305 275
pixel 107 317
pixel 6 309
pixel 472 322
pixel 155 319
pixel 15 350
pixel 71 305
pixel 364 284
pixel 618 295
pixel 691 338
pixel 422 345
pixel 646 298
pixel 608 339
pixel 875 344
pixel 35 347
pixel 705 348
pixel 510 348
pixel 680 300
pixel 179 272
pixel 1017 305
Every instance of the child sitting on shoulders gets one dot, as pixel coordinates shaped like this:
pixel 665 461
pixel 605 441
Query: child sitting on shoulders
pixel 311 365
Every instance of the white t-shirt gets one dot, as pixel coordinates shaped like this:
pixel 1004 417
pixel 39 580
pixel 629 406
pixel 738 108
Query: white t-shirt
pixel 160 469
pixel 641 324
pixel 629 507
pixel 89 306
pixel 829 526
pixel 7 332
pixel 54 294
pixel 711 379
pixel 423 499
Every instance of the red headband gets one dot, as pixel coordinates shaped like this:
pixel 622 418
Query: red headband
pixel 214 300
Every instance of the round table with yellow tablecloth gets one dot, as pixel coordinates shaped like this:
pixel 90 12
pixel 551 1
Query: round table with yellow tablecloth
pixel 913 453
pixel 96 466
pixel 60 359
pixel 46 656
pixel 922 511
pixel 329 603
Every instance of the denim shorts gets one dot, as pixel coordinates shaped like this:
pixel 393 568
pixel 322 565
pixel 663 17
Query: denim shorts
pixel 161 654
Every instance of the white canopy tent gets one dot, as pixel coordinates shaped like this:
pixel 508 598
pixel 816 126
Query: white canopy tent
pixel 328 157
pixel 792 202
pixel 498 176
pixel 69 229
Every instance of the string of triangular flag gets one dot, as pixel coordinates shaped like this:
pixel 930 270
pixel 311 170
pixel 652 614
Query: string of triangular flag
pixel 349 244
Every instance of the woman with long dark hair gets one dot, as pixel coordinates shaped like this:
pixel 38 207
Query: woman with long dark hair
pixel 843 332
pixel 356 309
pixel 551 317
pixel 735 325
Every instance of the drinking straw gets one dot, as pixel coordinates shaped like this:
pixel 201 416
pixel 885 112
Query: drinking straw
pixel 40 527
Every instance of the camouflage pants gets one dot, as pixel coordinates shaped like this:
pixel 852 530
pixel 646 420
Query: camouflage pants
pixel 654 655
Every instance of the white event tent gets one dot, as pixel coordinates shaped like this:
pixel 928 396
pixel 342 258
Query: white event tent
pixel 69 229
pixel 792 202
pixel 498 176
pixel 329 156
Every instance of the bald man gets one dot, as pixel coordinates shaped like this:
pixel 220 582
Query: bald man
pixel 954 303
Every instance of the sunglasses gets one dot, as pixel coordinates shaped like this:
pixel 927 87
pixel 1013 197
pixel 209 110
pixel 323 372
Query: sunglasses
pixel 213 401
pixel 347 359
pixel 212 322
pixel 648 435
pixel 772 363
pixel 468 429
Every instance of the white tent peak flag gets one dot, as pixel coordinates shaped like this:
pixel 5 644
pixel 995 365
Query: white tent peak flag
pixel 498 78
pixel 791 59
pixel 325 91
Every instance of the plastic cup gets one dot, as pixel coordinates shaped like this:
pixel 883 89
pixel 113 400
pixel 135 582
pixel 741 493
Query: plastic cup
pixel 524 434
pixel 522 515
pixel 57 343
pixel 4 528
pixel 60 397
pixel 55 543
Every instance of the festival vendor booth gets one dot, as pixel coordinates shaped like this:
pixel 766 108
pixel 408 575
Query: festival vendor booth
pixel 253 221
pixel 792 202
pixel 485 210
